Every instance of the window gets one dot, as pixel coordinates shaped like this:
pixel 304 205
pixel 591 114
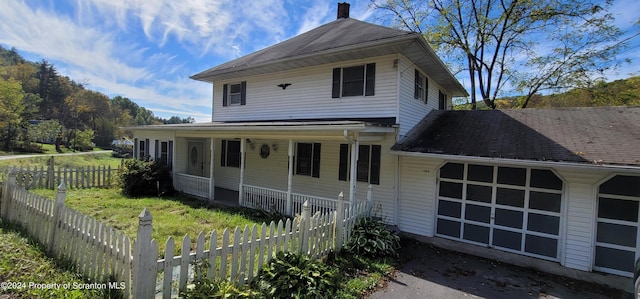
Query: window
pixel 367 167
pixel 143 148
pixel 234 94
pixel 230 153
pixel 421 87
pixel 164 152
pixel 442 103
pixel 308 159
pixel 354 81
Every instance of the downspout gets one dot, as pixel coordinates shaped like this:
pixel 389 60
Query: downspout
pixel 354 158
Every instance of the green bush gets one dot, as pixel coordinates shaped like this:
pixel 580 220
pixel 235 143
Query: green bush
pixel 205 288
pixel 372 238
pixel 290 275
pixel 142 178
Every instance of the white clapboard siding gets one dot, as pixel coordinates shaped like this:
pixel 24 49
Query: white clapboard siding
pixel 309 96
pixel 417 195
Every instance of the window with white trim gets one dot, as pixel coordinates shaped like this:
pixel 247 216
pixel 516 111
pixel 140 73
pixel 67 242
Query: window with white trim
pixel 308 159
pixel 367 167
pixel 421 86
pixel 354 81
pixel 230 153
pixel 234 94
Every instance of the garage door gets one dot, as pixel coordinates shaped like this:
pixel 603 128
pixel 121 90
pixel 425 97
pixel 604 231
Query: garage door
pixel 509 208
pixel 617 225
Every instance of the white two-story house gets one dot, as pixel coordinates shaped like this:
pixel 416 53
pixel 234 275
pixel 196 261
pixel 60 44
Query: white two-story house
pixel 363 109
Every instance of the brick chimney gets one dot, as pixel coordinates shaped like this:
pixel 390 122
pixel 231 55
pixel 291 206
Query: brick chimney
pixel 343 10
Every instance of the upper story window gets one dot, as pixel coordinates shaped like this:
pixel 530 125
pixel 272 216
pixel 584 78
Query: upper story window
pixel 354 81
pixel 421 87
pixel 234 94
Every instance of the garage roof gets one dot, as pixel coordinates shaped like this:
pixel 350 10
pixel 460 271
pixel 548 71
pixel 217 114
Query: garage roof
pixel 593 135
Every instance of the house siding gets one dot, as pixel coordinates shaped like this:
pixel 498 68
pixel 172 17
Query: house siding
pixel 309 95
pixel 416 202
pixel 580 217
pixel 413 110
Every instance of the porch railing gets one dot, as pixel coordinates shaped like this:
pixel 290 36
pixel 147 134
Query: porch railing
pixel 273 200
pixel 192 184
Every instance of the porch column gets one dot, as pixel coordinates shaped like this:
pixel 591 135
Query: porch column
pixel 212 185
pixel 352 178
pixel 289 177
pixel 243 142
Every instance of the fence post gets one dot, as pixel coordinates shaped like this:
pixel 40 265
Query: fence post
pixel 6 195
pixel 50 177
pixel 144 261
pixel 57 209
pixel 305 226
pixel 339 223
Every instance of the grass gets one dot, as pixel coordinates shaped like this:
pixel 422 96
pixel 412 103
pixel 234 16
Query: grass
pixel 174 216
pixel 21 261
pixel 71 161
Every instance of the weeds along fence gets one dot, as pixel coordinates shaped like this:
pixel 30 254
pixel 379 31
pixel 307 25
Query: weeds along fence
pixel 103 254
pixel 100 253
pixel 49 177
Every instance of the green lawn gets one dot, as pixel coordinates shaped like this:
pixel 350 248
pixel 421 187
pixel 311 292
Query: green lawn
pixel 22 262
pixel 71 161
pixel 174 216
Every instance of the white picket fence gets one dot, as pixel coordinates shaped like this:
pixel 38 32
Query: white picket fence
pixel 103 254
pixel 49 177
pixel 100 253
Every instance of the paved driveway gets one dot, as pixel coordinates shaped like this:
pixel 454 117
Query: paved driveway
pixel 432 272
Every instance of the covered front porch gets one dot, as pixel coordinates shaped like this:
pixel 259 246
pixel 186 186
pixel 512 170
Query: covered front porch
pixel 276 166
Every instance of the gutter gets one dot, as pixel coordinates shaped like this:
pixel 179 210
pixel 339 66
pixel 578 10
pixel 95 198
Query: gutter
pixel 620 168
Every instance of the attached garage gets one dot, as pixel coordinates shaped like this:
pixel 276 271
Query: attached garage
pixel 555 189
pixel 514 209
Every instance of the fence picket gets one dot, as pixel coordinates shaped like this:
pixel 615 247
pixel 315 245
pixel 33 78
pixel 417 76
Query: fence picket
pixel 184 263
pixel 235 253
pixel 199 253
pixel 213 251
pixel 168 268
pixel 224 254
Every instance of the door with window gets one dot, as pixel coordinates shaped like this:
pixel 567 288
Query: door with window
pixel 514 209
pixel 617 225
pixel 195 157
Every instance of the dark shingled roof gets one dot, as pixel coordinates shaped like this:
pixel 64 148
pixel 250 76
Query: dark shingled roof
pixel 598 135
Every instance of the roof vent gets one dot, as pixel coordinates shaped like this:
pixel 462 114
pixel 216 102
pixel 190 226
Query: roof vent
pixel 343 10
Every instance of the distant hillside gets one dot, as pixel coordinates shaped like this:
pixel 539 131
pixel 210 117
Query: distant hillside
pixel 39 104
pixel 624 92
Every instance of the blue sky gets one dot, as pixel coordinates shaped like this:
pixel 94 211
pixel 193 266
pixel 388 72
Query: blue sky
pixel 147 49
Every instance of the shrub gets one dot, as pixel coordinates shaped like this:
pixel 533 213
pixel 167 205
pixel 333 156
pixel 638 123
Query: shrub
pixel 290 275
pixel 142 178
pixel 205 288
pixel 372 238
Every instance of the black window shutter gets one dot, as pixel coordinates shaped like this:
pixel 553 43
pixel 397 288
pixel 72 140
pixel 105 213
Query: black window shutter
pixel 223 153
pixel 335 89
pixel 136 148
pixel 170 154
pixel 371 80
pixel 157 149
pixel 416 92
pixel 243 94
pixel 426 89
pixel 374 178
pixel 343 166
pixel 225 89
pixel 315 168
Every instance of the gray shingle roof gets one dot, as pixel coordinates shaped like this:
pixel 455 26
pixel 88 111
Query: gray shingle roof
pixel 597 135
pixel 339 40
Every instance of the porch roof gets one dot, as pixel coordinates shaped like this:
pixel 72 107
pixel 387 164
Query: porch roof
pixel 377 125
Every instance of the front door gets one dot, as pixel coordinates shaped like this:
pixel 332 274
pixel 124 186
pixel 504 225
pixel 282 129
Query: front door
pixel 195 158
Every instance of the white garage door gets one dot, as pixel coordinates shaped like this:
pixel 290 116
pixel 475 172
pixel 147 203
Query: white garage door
pixel 617 225
pixel 509 208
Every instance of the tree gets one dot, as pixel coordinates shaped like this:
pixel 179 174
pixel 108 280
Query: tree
pixel 528 45
pixel 11 109
pixel 45 131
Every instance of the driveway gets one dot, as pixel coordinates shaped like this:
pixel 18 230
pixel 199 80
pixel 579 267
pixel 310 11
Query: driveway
pixel 431 272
